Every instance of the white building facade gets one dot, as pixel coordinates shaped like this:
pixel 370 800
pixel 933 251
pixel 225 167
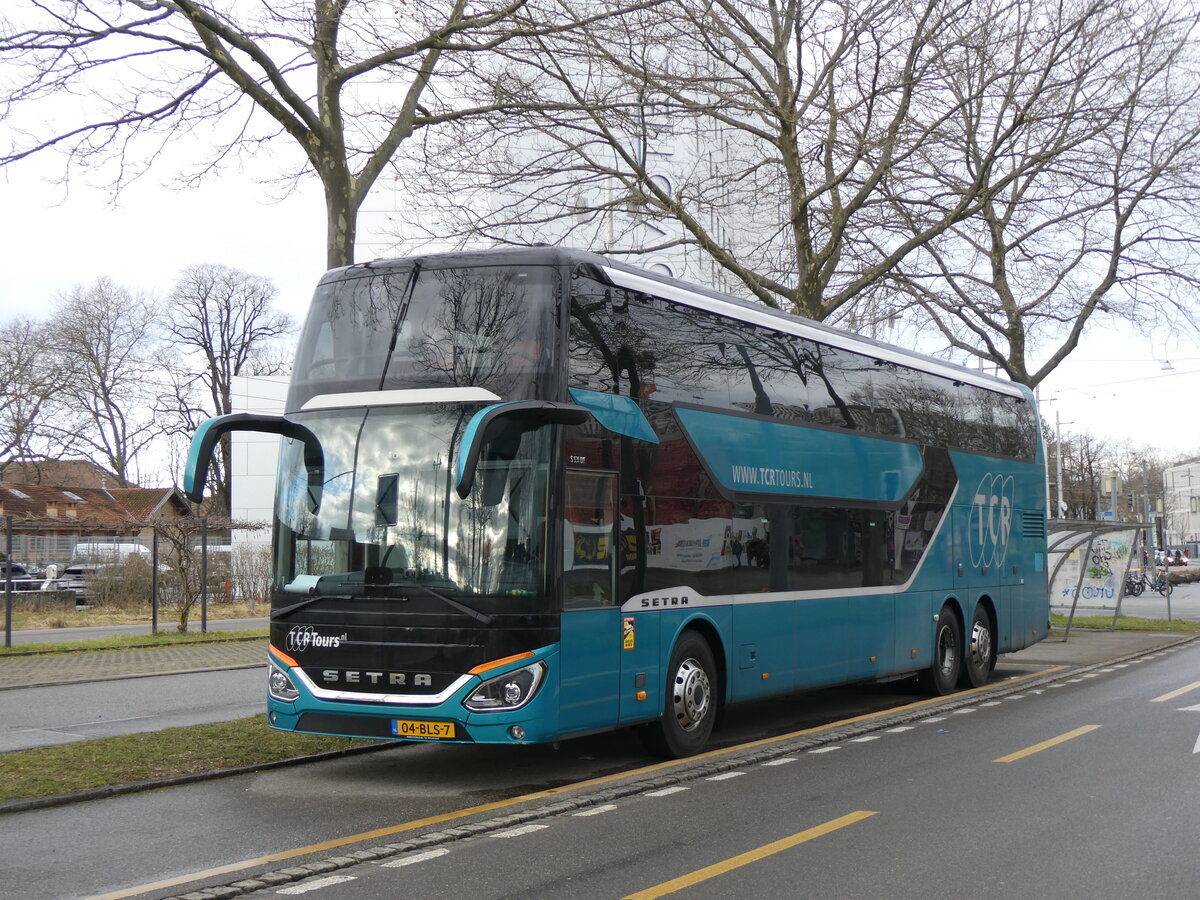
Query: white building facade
pixel 254 456
pixel 1181 506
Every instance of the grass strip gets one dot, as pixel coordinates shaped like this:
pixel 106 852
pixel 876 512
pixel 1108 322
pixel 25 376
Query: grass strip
pixel 133 641
pixel 104 762
pixel 1128 623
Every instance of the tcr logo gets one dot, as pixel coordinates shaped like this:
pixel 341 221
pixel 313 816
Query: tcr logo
pixel 991 520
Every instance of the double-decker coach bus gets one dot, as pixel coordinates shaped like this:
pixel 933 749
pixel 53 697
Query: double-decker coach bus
pixel 531 494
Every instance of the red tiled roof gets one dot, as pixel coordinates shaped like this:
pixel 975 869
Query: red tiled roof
pixel 90 509
pixel 63 473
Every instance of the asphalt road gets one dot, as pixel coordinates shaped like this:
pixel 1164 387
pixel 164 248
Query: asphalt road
pixel 58 714
pixel 945 817
pixel 1183 603
pixel 933 810
pixel 1080 790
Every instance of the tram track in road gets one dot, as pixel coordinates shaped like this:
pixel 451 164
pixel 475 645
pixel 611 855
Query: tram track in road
pixel 323 859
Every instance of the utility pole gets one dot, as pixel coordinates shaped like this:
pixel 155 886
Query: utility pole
pixel 1058 506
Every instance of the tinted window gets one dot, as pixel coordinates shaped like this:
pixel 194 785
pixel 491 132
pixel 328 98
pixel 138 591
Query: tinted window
pixel 652 349
pixel 395 328
pixel 695 537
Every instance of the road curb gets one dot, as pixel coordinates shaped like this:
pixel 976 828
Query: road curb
pixel 685 773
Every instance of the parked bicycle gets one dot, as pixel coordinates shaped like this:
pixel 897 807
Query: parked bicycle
pixel 1134 584
pixel 1137 582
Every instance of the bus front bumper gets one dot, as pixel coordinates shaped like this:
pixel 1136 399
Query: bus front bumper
pixel 450 721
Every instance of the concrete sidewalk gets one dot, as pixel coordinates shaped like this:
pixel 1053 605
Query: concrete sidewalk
pixel 1089 647
pixel 37 669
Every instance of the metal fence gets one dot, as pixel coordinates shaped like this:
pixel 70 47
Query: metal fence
pixel 72 569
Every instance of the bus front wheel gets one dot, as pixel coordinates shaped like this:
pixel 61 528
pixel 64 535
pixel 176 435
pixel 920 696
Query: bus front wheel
pixel 942 677
pixel 690 705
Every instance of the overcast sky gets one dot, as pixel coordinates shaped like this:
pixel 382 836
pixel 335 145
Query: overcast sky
pixel 1116 384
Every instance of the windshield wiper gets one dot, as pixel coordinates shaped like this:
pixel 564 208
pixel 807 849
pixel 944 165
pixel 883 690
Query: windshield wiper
pixel 307 601
pixel 481 617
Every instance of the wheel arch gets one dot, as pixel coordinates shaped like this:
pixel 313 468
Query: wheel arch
pixel 951 601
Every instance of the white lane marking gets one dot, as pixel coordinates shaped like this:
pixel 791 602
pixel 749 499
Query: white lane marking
pixel 864 739
pixel 933 719
pixel 991 703
pixel 414 858
pixel 327 881
pixel 963 712
pixel 520 831
pixel 595 810
pixel 824 749
pixel 899 728
pixel 782 761
pixel 724 776
pixel 666 791
pixel 1196 749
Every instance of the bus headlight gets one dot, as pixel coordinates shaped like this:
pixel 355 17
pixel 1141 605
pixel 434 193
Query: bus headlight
pixel 279 684
pixel 509 691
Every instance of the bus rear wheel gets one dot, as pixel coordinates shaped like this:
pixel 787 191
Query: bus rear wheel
pixel 690 703
pixel 942 677
pixel 981 650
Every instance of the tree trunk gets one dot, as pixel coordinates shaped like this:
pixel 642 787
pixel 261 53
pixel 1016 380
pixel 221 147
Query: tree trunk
pixel 341 223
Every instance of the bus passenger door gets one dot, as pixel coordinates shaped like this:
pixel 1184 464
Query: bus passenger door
pixel 590 649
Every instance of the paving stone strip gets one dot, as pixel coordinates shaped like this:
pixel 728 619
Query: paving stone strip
pixel 64 668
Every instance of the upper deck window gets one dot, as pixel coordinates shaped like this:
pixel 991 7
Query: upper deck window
pixel 654 349
pixel 406 327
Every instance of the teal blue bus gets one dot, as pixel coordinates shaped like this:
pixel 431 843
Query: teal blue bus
pixel 526 495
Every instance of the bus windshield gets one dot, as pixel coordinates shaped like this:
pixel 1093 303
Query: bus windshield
pixel 383 327
pixel 390 526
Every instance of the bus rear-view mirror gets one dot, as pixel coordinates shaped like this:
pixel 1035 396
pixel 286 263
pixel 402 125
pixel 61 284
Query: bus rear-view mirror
pixel 493 435
pixel 204 441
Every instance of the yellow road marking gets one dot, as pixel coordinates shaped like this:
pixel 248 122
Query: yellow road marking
pixel 1045 745
pixel 743 859
pixel 282 855
pixel 1171 696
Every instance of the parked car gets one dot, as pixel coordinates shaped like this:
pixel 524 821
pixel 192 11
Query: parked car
pixel 75 578
pixel 22 578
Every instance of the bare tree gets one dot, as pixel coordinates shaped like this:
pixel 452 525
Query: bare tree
pixel 813 150
pixel 222 322
pixel 28 392
pixel 104 341
pixel 347 82
pixel 771 139
pixel 181 543
pixel 1107 227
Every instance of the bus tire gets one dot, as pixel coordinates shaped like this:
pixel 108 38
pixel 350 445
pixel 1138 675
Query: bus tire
pixel 941 678
pixel 980 656
pixel 690 701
